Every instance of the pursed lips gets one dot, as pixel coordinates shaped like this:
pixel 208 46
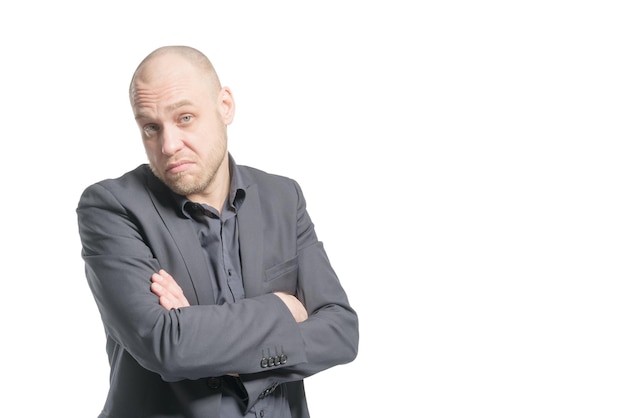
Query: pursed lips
pixel 178 166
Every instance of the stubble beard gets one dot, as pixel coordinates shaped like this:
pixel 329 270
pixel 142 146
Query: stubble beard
pixel 186 184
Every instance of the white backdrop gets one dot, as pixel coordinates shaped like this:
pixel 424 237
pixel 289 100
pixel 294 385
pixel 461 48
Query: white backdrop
pixel 463 163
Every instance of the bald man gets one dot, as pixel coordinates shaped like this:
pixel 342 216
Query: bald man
pixel 216 296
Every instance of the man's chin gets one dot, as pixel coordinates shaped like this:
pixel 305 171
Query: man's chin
pixel 182 186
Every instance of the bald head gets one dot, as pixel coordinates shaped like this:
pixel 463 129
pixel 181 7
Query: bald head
pixel 182 113
pixel 168 59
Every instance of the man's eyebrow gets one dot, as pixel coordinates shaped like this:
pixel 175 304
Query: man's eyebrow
pixel 141 116
pixel 169 108
pixel 176 105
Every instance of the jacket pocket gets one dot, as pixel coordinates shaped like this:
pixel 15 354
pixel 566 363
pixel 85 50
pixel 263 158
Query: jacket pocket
pixel 282 277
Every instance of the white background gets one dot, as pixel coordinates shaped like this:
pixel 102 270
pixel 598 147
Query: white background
pixel 463 163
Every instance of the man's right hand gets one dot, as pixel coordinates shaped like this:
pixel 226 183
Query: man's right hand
pixel 169 292
pixel 296 307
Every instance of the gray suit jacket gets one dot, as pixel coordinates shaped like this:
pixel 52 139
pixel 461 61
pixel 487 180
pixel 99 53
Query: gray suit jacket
pixel 172 363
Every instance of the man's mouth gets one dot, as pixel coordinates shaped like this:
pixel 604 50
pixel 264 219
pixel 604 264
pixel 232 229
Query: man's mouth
pixel 178 166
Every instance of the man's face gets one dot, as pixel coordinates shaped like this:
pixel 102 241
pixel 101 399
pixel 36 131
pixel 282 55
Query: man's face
pixel 183 125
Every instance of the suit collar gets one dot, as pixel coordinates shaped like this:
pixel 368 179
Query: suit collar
pixel 251 242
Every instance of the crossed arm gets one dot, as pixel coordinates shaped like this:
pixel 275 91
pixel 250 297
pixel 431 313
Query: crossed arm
pixel 171 296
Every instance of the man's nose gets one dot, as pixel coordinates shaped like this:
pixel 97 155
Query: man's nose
pixel 171 140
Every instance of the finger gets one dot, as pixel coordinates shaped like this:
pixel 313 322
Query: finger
pixel 166 303
pixel 164 296
pixel 166 281
pixel 165 286
pixel 157 278
pixel 158 289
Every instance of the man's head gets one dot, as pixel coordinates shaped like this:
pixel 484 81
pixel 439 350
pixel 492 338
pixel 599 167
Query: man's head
pixel 182 112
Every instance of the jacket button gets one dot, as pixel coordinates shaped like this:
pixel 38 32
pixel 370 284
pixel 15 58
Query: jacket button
pixel 213 383
pixel 264 362
pixel 283 359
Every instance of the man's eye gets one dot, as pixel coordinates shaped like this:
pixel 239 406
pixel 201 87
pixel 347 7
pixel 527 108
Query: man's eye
pixel 150 129
pixel 186 118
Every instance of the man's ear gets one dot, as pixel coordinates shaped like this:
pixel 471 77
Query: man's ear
pixel 226 105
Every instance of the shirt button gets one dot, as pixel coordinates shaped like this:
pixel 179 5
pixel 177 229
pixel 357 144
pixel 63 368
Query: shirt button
pixel 262 413
pixel 213 383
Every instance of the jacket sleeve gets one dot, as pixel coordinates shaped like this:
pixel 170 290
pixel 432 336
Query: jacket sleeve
pixel 331 332
pixel 189 343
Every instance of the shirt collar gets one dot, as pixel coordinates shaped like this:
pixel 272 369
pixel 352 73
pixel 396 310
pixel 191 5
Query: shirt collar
pixel 236 195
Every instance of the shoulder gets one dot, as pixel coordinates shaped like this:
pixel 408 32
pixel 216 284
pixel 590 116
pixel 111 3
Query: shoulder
pixel 129 186
pixel 270 185
pixel 262 179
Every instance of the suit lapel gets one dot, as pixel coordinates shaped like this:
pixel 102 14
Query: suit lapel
pixel 251 242
pixel 182 232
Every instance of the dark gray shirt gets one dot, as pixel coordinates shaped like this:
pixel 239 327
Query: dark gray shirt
pixel 219 238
